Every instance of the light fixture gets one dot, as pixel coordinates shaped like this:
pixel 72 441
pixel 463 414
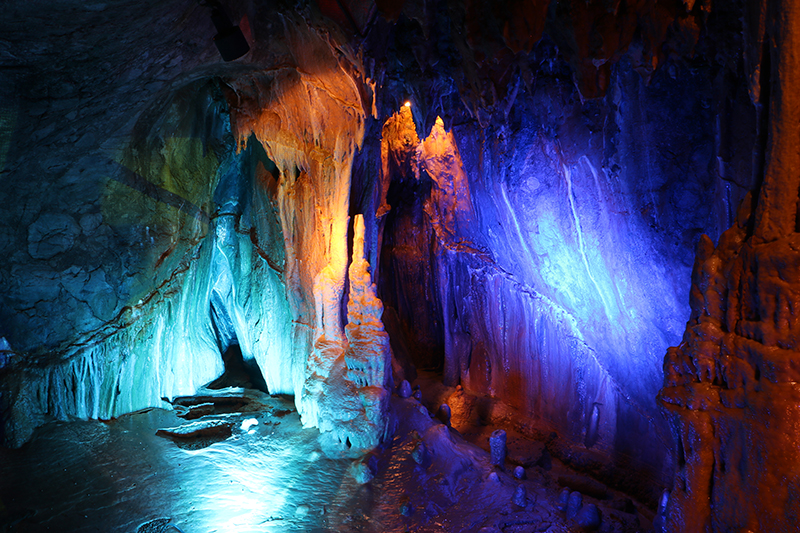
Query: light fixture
pixel 229 39
pixel 408 103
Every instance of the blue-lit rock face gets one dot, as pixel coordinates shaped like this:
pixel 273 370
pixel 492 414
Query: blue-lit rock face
pixel 176 241
pixel 549 263
pixel 181 269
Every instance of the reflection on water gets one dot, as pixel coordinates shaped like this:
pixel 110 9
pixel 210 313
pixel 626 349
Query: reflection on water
pixel 257 470
pixel 118 475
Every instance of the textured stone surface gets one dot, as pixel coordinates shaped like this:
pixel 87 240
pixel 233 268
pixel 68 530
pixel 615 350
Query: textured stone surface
pixel 529 219
pixel 536 267
pixel 730 388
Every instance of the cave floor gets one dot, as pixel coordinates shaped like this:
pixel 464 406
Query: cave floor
pixel 216 470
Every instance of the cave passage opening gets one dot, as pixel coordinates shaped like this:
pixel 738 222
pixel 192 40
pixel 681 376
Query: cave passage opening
pixel 238 371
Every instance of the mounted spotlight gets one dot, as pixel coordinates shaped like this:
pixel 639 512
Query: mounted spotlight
pixel 229 39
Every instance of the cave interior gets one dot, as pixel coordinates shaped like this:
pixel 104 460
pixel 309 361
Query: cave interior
pixel 411 265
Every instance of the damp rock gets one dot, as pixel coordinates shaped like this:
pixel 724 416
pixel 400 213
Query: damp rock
pixel 419 452
pixel 563 500
pixel 404 390
pixel 497 444
pixel 158 525
pixel 52 234
pixel 588 518
pixel 525 453
pixel 660 520
pixel 545 461
pixel 574 504
pixel 431 510
pixel 625 505
pixel 361 472
pixel 494 478
pixel 195 411
pixel 520 496
pixel 584 485
pixel 211 429
pixel 443 414
pixel 519 472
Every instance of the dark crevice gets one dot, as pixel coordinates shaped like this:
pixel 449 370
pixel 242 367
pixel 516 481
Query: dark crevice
pixel 239 371
pixel 762 134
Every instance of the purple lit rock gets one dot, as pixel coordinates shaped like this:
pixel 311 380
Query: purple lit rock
pixel 520 496
pixel 497 445
pixel 404 390
pixel 443 414
pixel 563 500
pixel 574 504
pixel 588 518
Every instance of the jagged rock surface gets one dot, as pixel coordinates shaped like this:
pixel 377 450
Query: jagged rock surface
pixel 730 388
pixel 529 219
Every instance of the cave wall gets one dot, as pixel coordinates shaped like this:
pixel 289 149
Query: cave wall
pixel 146 237
pixel 182 228
pixel 730 386
pixel 530 219
pixel 542 260
pixel 545 263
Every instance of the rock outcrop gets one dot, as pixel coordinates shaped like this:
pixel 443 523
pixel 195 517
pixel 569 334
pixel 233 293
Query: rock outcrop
pixel 730 388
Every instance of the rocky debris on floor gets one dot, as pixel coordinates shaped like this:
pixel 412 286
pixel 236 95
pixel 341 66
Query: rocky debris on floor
pixel 220 401
pixel 595 505
pixel 214 415
pixel 157 525
pixel 199 434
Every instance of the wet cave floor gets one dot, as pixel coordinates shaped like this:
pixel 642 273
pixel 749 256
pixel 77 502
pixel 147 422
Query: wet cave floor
pixel 238 460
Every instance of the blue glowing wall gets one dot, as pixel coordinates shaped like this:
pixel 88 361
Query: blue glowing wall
pixel 562 287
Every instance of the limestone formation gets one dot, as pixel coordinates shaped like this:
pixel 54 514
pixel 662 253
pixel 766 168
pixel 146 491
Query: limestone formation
pixel 730 389
pixel 497 445
pixel 520 497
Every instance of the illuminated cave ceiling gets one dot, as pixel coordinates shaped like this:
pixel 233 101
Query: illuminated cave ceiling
pixel 536 243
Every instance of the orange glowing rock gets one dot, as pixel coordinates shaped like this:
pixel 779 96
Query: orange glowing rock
pixel 309 117
pixel 368 355
pixel 449 207
pixel 731 388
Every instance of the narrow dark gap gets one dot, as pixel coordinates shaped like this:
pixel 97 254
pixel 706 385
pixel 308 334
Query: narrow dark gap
pixel 797 213
pixel 408 284
pixel 239 372
pixel 762 135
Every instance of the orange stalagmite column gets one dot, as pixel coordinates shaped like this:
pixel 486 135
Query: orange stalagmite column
pixel 309 117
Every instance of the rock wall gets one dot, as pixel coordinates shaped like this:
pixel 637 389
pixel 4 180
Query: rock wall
pixel 730 388
pixel 543 260
pixel 159 245
pixel 204 227
pixel 529 220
